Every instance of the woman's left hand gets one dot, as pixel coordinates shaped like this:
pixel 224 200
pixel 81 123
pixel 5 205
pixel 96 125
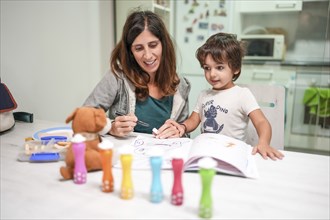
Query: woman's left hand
pixel 168 130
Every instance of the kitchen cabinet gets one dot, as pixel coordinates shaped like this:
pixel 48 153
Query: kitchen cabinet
pixel 164 8
pixel 269 6
pixel 267 74
pixel 268 17
pixel 304 26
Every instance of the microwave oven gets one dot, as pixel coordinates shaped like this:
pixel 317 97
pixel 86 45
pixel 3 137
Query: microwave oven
pixel 264 46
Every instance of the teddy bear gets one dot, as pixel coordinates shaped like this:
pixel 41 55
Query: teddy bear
pixel 91 123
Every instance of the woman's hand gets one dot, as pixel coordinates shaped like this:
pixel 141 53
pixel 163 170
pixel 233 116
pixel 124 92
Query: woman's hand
pixel 170 129
pixel 123 125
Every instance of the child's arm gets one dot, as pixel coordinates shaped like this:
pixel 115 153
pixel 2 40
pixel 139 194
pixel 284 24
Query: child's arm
pixel 188 125
pixel 264 131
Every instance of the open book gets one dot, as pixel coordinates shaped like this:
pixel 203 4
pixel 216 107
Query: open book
pixel 233 156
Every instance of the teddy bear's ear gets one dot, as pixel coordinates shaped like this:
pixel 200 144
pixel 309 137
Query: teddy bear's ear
pixel 71 116
pixel 100 118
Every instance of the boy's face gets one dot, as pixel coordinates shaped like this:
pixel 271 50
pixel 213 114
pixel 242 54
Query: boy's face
pixel 218 75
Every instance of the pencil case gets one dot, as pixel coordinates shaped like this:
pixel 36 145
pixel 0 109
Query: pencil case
pixel 44 157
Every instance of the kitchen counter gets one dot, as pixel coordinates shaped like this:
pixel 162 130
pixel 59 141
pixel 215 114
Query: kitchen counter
pixel 288 63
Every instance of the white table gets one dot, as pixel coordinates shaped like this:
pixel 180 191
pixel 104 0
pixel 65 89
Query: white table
pixel 295 188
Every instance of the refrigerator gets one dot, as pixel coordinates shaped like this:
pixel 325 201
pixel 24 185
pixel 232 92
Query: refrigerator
pixel 195 21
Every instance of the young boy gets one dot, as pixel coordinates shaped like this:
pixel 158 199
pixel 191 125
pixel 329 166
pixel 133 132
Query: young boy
pixel 226 108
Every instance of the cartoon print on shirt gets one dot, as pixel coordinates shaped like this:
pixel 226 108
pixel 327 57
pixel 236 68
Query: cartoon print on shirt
pixel 210 125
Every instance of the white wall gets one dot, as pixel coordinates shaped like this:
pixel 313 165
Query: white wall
pixel 54 52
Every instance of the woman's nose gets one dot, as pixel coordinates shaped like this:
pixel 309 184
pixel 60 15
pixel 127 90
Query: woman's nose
pixel 147 53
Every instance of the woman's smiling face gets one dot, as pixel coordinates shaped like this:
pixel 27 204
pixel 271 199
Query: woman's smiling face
pixel 147 51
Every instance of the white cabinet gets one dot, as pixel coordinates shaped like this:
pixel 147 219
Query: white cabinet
pixel 268 16
pixel 269 6
pixel 267 74
pixel 163 8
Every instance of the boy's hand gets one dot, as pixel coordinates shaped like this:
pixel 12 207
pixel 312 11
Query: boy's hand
pixel 267 151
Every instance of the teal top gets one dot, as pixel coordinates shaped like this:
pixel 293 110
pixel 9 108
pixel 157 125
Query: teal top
pixel 153 111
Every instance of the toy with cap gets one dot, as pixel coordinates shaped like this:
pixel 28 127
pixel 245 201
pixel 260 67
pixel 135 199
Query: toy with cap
pixel 106 150
pixel 91 123
pixel 207 171
pixel 177 188
pixel 78 149
pixel 156 160
pixel 126 158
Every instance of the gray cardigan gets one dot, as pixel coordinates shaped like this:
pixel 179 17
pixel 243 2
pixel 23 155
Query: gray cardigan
pixel 113 94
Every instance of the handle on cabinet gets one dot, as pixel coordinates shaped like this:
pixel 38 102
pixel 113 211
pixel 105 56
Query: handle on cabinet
pixel 285 5
pixel 262 75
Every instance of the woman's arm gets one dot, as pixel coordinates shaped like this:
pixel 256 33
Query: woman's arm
pixel 104 93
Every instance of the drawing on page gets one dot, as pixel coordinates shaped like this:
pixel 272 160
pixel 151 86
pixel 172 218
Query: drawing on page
pixel 143 146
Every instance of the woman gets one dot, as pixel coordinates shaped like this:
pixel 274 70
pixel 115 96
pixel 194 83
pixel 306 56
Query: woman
pixel 143 83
